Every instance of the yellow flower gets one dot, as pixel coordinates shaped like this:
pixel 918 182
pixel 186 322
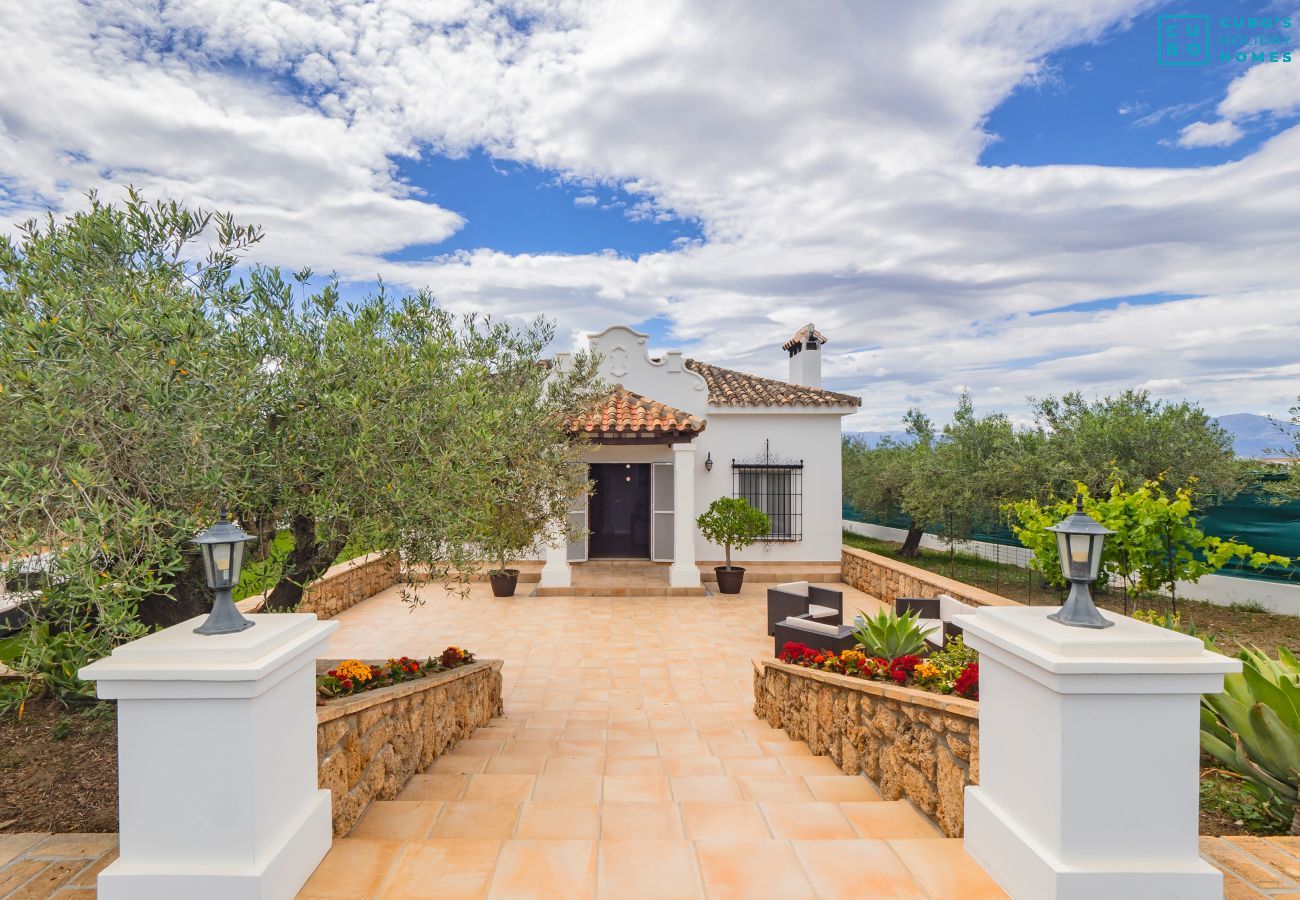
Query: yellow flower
pixel 354 669
pixel 926 670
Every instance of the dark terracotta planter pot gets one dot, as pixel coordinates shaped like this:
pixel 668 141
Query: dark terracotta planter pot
pixel 729 580
pixel 504 583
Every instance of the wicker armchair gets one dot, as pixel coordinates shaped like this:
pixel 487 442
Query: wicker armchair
pixel 799 598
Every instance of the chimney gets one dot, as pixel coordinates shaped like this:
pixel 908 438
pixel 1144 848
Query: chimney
pixel 805 356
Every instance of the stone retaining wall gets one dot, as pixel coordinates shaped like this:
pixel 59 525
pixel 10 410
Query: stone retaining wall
pixel 368 745
pixel 911 743
pixel 886 578
pixel 343 585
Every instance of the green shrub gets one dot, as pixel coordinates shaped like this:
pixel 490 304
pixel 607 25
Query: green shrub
pixel 733 522
pixel 889 635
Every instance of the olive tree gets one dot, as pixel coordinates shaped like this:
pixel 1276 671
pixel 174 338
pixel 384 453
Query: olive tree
pixel 143 384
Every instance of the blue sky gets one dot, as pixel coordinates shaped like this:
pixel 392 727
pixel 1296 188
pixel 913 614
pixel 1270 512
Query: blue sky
pixel 1111 103
pixel 1005 196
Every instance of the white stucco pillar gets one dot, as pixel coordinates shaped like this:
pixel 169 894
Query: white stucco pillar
pixel 555 572
pixel 1089 752
pixel 684 572
pixel 217 770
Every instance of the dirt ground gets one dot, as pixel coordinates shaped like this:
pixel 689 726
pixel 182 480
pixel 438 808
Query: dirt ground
pixel 58 769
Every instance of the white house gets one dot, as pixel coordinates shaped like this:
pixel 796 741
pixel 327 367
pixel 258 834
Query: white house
pixel 677 433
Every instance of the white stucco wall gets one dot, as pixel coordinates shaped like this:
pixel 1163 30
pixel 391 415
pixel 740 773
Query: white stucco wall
pixel 808 433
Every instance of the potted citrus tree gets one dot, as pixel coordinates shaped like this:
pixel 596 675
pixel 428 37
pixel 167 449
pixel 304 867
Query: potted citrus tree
pixel 732 522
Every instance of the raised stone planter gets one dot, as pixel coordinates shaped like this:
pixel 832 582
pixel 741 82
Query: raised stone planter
pixel 342 586
pixel 369 744
pixel 887 578
pixel 911 743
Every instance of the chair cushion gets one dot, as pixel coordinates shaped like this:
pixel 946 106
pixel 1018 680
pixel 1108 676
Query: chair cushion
pixel 810 625
pixel 933 629
pixel 799 588
pixel 821 612
pixel 951 606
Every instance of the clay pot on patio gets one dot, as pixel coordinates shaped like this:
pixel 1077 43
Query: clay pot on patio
pixel 504 582
pixel 729 579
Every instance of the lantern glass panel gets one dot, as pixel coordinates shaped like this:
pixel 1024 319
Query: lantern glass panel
pixel 1073 549
pixel 1098 541
pixel 205 550
pixel 221 564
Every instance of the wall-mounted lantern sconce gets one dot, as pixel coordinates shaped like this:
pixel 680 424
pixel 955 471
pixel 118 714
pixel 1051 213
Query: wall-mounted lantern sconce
pixel 708 462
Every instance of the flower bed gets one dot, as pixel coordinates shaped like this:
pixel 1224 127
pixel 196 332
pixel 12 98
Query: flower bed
pixel 374 737
pixel 352 676
pixel 918 744
pixel 953 670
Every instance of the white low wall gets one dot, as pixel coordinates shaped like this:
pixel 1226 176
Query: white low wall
pixel 1224 590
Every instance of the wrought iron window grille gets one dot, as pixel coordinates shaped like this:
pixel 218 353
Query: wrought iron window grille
pixel 774 485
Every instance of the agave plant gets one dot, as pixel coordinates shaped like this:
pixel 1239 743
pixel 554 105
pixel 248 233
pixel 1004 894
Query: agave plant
pixel 888 635
pixel 1253 727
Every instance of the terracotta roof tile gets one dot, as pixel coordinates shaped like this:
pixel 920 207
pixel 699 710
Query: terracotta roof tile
pixel 628 412
pixel 727 387
pixel 802 335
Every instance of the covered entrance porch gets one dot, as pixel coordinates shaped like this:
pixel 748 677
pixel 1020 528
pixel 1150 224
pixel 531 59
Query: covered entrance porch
pixel 638 522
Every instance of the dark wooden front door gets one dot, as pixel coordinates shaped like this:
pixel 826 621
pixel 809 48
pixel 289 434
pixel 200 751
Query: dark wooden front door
pixel 619 511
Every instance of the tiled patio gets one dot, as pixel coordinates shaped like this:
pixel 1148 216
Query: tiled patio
pixel 629 764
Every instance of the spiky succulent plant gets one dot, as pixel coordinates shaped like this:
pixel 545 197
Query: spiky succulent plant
pixel 889 635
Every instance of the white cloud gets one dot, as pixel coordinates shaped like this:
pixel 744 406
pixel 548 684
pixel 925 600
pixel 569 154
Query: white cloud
pixel 1223 133
pixel 829 155
pixel 586 200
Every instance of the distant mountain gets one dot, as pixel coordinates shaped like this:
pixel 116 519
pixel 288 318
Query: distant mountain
pixel 1252 435
pixel 871 438
pixel 1257 436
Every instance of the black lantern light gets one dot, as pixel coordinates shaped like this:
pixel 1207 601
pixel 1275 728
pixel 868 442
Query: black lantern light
pixel 1079 539
pixel 708 462
pixel 222 546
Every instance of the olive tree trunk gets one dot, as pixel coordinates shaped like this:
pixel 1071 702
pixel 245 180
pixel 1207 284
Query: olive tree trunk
pixel 912 543
pixel 308 559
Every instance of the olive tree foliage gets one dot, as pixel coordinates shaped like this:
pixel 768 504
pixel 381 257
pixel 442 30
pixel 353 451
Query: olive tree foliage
pixel 876 478
pixel 1136 439
pixel 143 385
pixel 393 424
pixel 123 410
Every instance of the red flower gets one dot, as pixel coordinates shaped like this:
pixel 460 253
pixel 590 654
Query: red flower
pixel 793 652
pixel 346 684
pixel 968 682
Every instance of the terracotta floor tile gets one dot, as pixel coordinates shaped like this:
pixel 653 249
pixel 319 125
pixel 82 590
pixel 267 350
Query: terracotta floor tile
pixel 574 788
pixel 944 869
pixel 857 868
pixel 353 868
pixel 55 874
pixel 774 788
pixel 637 787
pixel 16 873
pixel 398 819
pixel 483 747
pixel 841 788
pixel 457 765
pixel 809 765
pixel 580 748
pixel 784 748
pixel 746 870
pixel 889 819
pixel 548 820
pixel 445 868
pixel 87 876
pixel 631 748
pixel 14 845
pixel 515 765
pixel 635 765
pixel 638 820
pixel 83 846
pixel 555 870
pixel 483 821
pixel 653 870
pixel 705 787
pixel 807 821
pixel 528 748
pixel 693 765
pixel 440 786
pixel 738 821
pixel 499 788
pixel 575 765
